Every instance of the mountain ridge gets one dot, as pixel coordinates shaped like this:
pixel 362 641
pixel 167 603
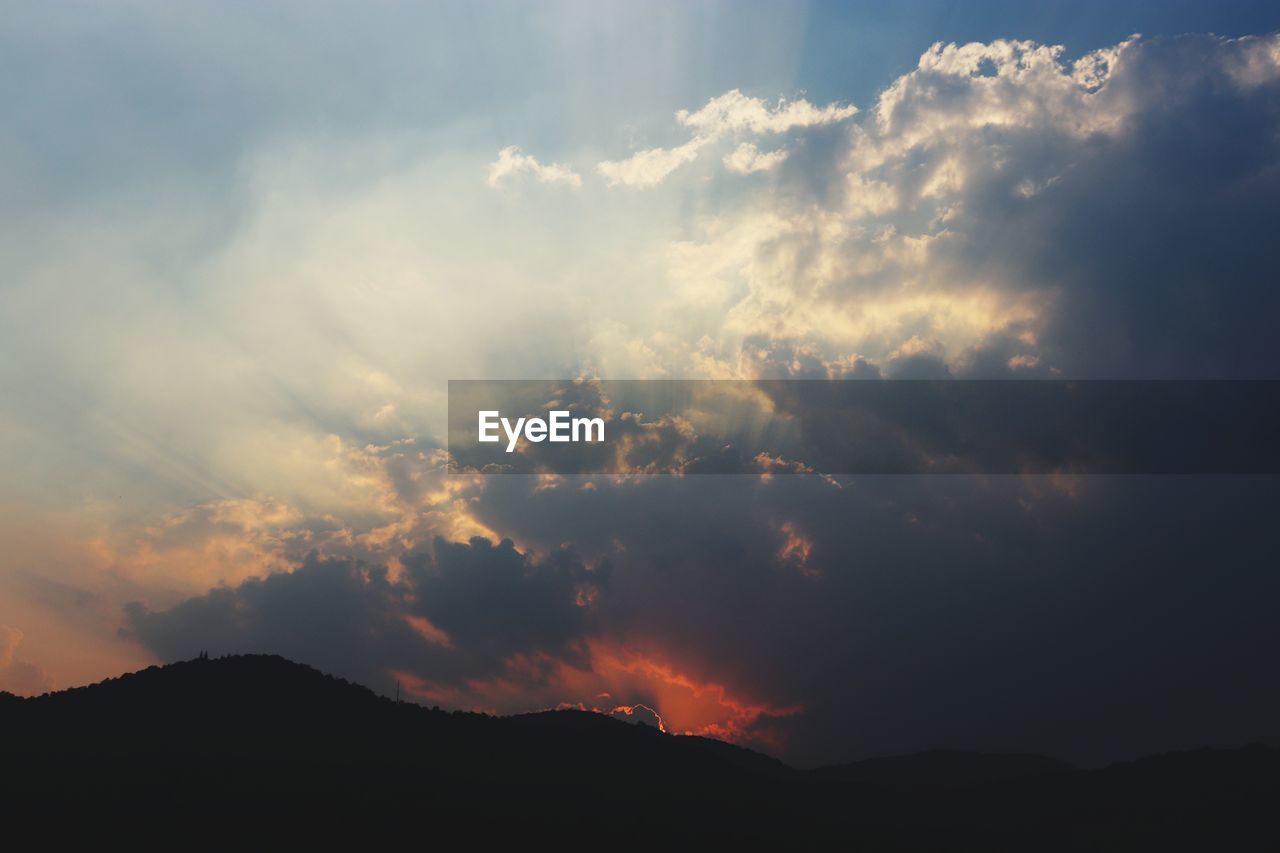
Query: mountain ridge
pixel 259 731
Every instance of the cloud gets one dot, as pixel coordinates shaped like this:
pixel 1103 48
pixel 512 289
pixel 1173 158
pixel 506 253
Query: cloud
pixel 638 714
pixel 913 590
pixel 1002 210
pixel 493 601
pixel 18 676
pixel 473 624
pixel 248 367
pixel 650 167
pixel 9 639
pixel 344 614
pixel 732 113
pixel 815 618
pixel 746 159
pixel 511 163
pixel 453 612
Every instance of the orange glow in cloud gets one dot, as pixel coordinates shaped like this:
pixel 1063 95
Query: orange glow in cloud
pixel 617 680
pixel 795 550
pixel 686 705
pixel 428 631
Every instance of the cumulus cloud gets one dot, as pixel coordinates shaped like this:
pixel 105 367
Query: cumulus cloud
pixel 1002 210
pixel 512 163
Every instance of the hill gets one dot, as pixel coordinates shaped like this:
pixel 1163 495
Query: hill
pixel 262 736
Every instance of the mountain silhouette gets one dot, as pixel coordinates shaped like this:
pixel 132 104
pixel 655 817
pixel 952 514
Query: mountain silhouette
pixel 263 736
pixel 944 767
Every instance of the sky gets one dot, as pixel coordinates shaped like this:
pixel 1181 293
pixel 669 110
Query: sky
pixel 245 247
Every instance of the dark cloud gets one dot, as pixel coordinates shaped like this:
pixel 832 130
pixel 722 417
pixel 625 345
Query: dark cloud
pixel 1157 237
pixel 1090 618
pixel 342 614
pixel 352 618
pixel 494 601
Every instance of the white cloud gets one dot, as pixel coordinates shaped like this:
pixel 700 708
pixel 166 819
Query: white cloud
pixel 512 162
pixel 732 113
pixel 746 159
pixel 648 168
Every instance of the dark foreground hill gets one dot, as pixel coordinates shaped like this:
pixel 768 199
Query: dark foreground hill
pixel 260 737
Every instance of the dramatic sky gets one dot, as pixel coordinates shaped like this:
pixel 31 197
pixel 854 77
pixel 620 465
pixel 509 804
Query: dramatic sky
pixel 245 246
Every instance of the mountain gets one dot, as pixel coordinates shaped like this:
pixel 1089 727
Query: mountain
pixel 261 737
pixel 944 767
